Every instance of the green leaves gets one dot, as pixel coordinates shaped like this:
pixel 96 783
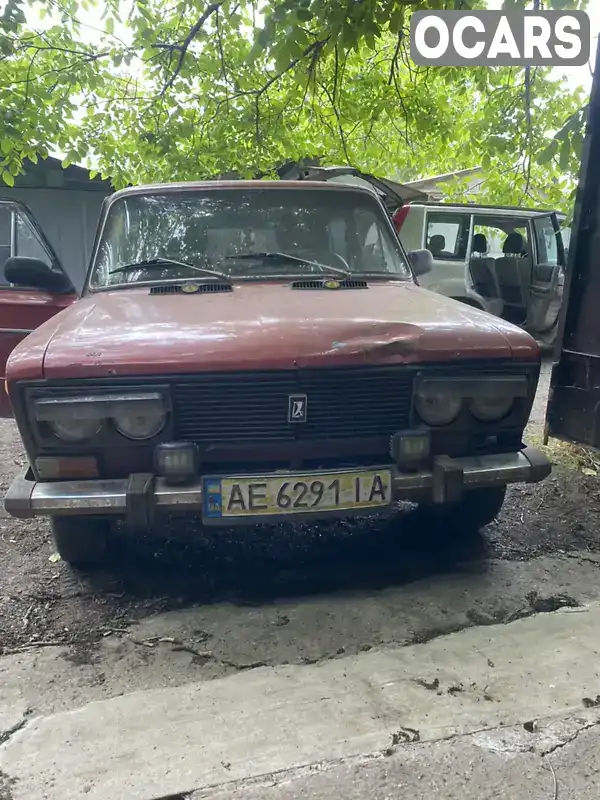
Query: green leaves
pixel 565 153
pixel 561 5
pixel 71 158
pixel 548 153
pixel 13 16
pixel 181 90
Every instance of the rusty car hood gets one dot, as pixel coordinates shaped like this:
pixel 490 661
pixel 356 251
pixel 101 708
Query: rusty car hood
pixel 262 326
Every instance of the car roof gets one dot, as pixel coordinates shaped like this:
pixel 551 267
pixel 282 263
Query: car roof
pixel 190 186
pixel 517 211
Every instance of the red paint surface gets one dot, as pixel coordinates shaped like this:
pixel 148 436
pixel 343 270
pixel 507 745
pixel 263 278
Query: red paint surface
pixel 261 326
pixel 23 309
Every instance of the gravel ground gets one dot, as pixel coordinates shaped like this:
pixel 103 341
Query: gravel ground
pixel 43 602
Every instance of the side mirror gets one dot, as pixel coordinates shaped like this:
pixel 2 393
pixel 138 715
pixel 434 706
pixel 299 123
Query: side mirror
pixel 35 273
pixel 421 261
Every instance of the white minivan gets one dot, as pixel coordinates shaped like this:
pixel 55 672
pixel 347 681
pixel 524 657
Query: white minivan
pixel 506 260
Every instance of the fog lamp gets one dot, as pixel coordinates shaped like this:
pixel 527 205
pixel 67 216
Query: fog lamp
pixel 176 461
pixel 410 447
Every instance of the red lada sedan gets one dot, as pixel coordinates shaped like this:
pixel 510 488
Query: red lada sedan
pixel 261 351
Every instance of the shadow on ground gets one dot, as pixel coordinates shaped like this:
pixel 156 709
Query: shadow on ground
pixel 182 562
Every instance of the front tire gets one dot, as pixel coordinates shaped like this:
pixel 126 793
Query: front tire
pixel 81 541
pixel 476 509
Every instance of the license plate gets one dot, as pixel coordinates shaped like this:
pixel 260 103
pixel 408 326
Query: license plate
pixel 299 493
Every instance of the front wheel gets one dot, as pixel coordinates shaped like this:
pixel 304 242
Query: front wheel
pixel 81 541
pixel 477 508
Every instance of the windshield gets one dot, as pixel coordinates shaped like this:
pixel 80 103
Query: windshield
pixel 245 234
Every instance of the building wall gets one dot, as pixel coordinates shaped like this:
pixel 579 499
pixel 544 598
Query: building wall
pixel 436 186
pixel 68 218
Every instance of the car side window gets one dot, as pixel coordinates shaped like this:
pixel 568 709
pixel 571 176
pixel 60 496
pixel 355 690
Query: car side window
pixel 18 237
pixel 495 236
pixel 28 242
pixel 545 240
pixel 447 235
pixel 5 239
pixel 566 240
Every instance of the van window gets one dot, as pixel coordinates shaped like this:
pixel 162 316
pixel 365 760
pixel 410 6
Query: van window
pixel 490 234
pixel 447 235
pixel 545 240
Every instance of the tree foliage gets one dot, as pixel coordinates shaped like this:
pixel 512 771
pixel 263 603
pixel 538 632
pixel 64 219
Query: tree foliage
pixel 184 89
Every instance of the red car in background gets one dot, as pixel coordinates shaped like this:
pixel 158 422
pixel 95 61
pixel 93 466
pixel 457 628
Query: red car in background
pixel 23 308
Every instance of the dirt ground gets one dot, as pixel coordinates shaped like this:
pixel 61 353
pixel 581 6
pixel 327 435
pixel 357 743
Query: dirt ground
pixel 44 602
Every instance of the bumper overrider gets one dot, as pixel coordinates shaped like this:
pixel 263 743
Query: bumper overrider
pixel 139 498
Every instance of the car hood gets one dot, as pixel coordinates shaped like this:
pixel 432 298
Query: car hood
pixel 264 326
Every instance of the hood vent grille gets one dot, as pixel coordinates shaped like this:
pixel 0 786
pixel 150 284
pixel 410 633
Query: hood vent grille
pixel 202 288
pixel 349 283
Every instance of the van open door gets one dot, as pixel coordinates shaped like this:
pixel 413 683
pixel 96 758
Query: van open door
pixel 574 404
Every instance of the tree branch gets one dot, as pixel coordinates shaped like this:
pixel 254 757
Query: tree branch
pixel 183 48
pixel 395 59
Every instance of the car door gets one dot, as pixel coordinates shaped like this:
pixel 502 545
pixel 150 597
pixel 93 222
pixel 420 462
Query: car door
pixel 447 235
pixel 23 309
pixel 574 403
pixel 547 275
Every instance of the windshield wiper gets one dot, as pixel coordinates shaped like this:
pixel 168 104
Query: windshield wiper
pixel 287 257
pixel 159 261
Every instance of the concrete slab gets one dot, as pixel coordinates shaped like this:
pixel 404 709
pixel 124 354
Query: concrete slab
pixel 162 742
pixel 296 631
pixel 449 770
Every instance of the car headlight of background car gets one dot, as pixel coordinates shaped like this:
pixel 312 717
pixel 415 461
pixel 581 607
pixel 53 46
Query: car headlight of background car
pixel 135 415
pixel 439 401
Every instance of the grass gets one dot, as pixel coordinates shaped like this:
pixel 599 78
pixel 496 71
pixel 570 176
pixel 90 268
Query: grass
pixel 565 454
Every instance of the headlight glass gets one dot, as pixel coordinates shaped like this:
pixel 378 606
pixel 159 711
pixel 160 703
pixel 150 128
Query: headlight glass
pixel 437 403
pixel 489 406
pixel 140 420
pixel 136 415
pixel 71 429
pixel 70 419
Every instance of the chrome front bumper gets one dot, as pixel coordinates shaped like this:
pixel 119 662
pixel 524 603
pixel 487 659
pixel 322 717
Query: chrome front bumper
pixel 138 497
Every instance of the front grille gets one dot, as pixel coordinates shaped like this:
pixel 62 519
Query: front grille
pixel 341 403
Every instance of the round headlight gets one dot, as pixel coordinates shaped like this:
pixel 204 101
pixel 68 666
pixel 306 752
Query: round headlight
pixel 437 404
pixel 140 420
pixel 75 430
pixel 490 407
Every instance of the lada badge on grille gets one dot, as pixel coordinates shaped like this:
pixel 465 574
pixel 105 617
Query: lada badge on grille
pixel 297 407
